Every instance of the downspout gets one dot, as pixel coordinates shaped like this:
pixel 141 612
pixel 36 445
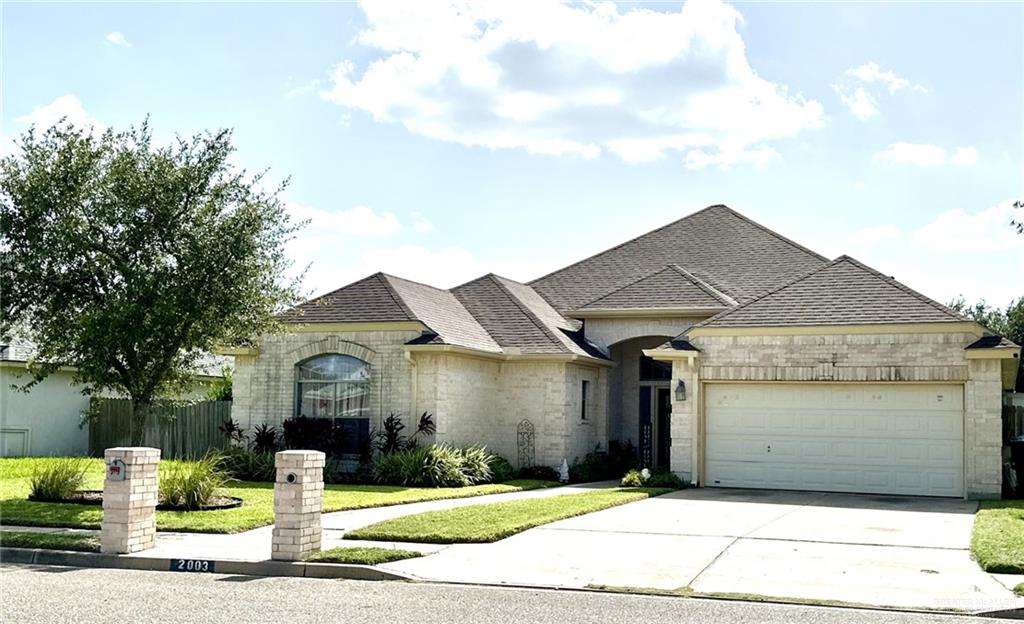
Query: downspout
pixel 414 383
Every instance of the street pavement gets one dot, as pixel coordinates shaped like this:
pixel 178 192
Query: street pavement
pixel 37 594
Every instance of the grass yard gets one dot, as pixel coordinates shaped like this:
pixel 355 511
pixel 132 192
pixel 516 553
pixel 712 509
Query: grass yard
pixel 495 521
pixel 256 511
pixel 49 541
pixel 365 555
pixel 997 541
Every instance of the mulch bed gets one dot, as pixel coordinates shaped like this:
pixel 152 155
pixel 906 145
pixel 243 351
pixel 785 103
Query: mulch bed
pixel 95 497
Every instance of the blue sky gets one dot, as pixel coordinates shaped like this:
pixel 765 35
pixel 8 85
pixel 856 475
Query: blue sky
pixel 440 144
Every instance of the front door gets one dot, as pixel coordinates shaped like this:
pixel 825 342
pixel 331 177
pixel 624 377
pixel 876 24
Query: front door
pixel 655 433
pixel 663 428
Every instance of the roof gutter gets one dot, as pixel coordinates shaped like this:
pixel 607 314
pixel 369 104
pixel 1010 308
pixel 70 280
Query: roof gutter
pixel 967 327
pixel 508 357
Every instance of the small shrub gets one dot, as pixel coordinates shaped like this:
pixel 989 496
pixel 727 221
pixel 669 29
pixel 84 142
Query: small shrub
pixel 264 439
pixel 314 434
pixel 249 465
pixel 232 431
pixel 633 478
pixel 192 484
pixel 437 466
pixel 340 471
pixel 542 473
pixel 58 478
pixel 656 479
pixel 600 465
pixel 501 470
pixel 476 464
pixel 391 440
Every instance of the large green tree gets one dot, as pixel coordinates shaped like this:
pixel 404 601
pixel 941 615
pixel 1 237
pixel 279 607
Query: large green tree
pixel 128 261
pixel 1008 323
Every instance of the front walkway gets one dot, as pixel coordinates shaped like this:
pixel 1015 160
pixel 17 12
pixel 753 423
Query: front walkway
pixel 880 550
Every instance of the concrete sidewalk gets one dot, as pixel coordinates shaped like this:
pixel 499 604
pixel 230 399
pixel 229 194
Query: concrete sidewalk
pixel 254 545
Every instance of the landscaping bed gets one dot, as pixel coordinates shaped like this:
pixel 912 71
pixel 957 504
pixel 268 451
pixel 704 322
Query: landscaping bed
pixel 997 540
pixel 496 521
pixel 49 541
pixel 256 510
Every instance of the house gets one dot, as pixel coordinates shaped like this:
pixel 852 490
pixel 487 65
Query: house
pixel 722 350
pixel 48 419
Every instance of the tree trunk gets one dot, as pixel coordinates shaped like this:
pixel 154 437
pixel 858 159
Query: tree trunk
pixel 141 409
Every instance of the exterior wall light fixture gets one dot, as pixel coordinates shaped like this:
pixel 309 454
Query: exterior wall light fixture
pixel 681 390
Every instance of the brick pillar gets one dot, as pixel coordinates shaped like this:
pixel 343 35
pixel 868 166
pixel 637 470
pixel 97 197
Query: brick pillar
pixel 129 499
pixel 298 501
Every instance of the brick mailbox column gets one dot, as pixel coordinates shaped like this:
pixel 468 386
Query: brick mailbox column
pixel 129 499
pixel 298 501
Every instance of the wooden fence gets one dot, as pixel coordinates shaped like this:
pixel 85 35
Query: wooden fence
pixel 187 431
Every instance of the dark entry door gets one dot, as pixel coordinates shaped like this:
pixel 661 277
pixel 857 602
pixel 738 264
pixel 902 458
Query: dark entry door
pixel 664 428
pixel 646 429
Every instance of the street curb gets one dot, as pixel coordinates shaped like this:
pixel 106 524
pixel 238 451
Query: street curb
pixel 39 556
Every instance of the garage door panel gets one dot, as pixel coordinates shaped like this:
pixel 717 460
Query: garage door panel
pixel 858 438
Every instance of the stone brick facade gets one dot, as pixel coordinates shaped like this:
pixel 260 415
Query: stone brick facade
pixel 264 384
pixel 605 332
pixel 483 401
pixel 474 400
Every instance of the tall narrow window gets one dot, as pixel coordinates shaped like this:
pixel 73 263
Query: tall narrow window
pixel 584 391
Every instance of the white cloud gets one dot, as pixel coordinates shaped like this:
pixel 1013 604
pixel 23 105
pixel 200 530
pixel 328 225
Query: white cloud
pixel 357 221
pixel 66 107
pixel 861 103
pixel 870 236
pixel 870 73
pixel 421 224
pixel 964 156
pixel 926 155
pixel 117 39
pixel 860 88
pixel 957 230
pixel 566 79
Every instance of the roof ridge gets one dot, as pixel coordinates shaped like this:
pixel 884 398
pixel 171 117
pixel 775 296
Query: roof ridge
pixel 624 243
pixel 621 288
pixel 526 310
pixel 743 305
pixel 907 289
pixel 405 279
pixel 386 279
pixel 679 220
pixel 843 258
pixel 775 234
pixel 699 283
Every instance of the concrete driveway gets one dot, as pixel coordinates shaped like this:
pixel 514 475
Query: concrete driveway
pixel 882 550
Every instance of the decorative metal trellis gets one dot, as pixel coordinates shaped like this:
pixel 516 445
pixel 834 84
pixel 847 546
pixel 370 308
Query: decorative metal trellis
pixel 524 433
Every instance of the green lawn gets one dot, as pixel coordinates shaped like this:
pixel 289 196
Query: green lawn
pixel 365 555
pixel 49 541
pixel 495 521
pixel 256 511
pixel 997 542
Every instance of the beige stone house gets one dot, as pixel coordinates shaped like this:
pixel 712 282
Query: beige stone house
pixel 722 350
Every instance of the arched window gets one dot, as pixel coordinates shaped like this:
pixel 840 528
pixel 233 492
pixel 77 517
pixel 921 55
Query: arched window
pixel 333 386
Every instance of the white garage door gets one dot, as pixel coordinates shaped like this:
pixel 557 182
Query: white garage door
pixel 886 439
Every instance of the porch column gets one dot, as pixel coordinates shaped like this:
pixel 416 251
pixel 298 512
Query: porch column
pixel 685 419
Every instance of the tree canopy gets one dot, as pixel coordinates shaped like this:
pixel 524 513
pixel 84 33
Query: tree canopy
pixel 128 261
pixel 1008 323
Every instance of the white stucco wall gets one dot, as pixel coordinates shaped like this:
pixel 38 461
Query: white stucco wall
pixel 50 412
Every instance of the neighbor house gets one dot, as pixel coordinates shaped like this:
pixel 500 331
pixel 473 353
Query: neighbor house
pixel 720 349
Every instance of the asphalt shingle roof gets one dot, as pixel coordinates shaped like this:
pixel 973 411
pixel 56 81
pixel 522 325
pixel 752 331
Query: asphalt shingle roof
pixel 368 300
pixel 721 247
pixel 843 292
pixel 671 287
pixel 517 317
pixel 442 312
